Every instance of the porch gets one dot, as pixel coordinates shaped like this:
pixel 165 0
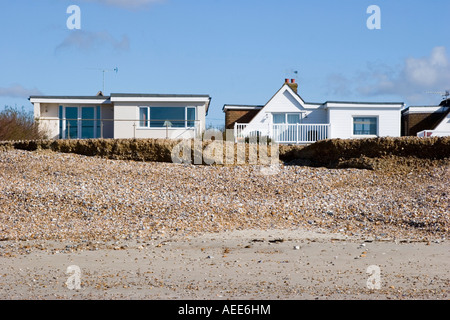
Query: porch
pixel 298 133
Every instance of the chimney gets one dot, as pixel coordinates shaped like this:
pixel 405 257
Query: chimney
pixel 292 84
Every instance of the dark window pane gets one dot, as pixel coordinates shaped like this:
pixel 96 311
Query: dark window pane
pixel 365 126
pixel 72 122
pixel 190 116
pixel 98 135
pixel 143 117
pixel 161 117
pixel 60 115
pixel 87 122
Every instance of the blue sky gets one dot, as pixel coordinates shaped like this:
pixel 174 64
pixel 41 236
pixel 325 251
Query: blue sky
pixel 237 51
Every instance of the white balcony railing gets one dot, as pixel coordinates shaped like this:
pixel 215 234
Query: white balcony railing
pixel 284 133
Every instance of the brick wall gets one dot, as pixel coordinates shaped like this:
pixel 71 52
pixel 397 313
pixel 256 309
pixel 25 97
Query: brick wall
pixel 416 122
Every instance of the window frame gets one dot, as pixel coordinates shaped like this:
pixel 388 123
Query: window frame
pixel 370 134
pixel 149 120
pixel 96 121
pixel 286 115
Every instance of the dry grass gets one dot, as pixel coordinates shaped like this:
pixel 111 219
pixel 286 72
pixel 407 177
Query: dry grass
pixel 336 153
pixel 360 152
pixel 19 125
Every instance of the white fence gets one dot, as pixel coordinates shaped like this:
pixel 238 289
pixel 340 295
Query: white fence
pixel 432 133
pixel 284 133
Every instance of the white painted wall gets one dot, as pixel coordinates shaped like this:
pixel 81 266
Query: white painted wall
pixel 126 125
pixel 315 114
pixel 341 119
pixel 47 113
pixel 286 101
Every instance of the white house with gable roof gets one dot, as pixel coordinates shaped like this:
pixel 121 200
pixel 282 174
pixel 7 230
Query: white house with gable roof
pixel 287 118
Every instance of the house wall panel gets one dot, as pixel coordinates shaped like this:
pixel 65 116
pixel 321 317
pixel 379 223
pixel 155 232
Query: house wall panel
pixel 126 124
pixel 341 120
pixel 49 119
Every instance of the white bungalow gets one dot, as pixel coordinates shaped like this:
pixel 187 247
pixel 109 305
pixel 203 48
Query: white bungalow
pixel 121 116
pixel 287 118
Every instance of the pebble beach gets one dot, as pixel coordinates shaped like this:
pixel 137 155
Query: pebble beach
pixel 65 204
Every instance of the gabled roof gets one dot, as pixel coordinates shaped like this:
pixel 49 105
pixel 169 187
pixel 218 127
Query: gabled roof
pixel 309 105
pixel 294 94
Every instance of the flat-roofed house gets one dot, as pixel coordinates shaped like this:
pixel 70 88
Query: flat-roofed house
pixel 122 115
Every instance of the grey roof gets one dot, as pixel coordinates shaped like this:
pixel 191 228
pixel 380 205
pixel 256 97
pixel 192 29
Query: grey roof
pixel 361 102
pixel 69 97
pixel 144 95
pixel 245 105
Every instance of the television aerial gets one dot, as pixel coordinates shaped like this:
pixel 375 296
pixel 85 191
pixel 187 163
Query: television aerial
pixel 116 69
pixel 445 94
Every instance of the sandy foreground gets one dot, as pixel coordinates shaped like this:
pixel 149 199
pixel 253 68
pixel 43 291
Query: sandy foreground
pixel 251 264
pixel 129 230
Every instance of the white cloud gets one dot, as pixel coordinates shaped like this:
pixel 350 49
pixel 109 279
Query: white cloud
pixel 413 79
pixel 18 91
pixel 129 4
pixel 87 41
pixel 408 81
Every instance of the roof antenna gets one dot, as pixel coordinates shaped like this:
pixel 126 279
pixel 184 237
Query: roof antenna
pixel 116 69
pixel 445 94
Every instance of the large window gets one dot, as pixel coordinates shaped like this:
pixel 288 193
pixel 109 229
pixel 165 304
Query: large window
pixel 162 117
pixel 365 126
pixel 79 122
pixel 285 128
pixel 289 118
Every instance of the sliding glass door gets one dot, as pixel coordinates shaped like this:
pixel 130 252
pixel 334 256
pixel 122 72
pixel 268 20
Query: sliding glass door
pixel 79 122
pixel 72 122
pixel 87 122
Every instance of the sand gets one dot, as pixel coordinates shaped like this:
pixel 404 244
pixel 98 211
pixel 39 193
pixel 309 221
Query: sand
pixel 248 265
pixel 138 230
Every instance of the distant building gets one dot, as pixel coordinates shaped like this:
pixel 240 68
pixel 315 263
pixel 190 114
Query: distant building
pixel 433 119
pixel 122 116
pixel 287 118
